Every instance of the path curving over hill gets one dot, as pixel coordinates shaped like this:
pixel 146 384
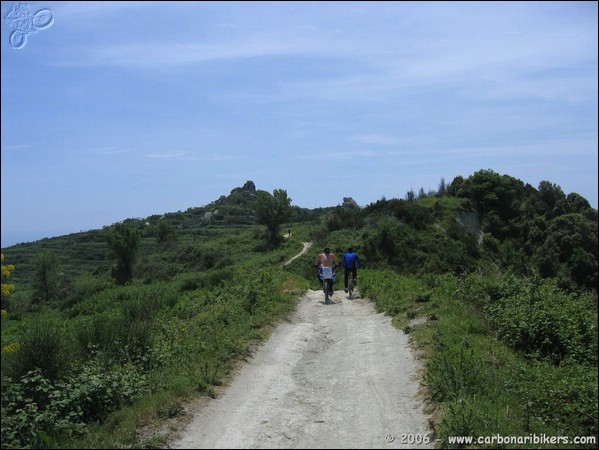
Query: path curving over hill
pixel 333 376
pixel 307 246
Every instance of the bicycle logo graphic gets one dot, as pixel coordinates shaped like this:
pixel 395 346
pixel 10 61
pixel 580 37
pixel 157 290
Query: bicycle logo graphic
pixel 25 23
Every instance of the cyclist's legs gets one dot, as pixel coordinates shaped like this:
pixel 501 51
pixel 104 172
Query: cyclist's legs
pixel 354 273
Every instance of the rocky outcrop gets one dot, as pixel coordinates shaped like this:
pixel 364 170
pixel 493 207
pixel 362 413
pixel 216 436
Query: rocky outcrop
pixel 208 218
pixel 471 222
pixel 240 195
pixel 349 202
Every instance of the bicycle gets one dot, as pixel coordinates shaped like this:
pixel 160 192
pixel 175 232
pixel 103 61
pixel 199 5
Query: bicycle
pixel 350 287
pixel 328 276
pixel 351 262
pixel 25 23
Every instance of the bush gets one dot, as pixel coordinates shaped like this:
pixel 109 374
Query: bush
pixel 217 278
pixel 36 410
pixel 453 374
pixel 546 323
pixel 33 410
pixel 564 396
pixel 44 347
pixel 118 339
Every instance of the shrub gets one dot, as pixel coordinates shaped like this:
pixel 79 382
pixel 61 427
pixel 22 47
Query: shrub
pixel 454 373
pixel 564 396
pixel 544 322
pixel 36 410
pixel 44 347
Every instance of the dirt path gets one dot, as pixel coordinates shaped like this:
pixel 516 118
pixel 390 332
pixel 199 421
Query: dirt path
pixel 307 246
pixel 334 376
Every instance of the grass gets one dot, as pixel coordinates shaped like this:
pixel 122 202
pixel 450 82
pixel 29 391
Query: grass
pixel 476 384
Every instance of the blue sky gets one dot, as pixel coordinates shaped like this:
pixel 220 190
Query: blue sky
pixel 128 109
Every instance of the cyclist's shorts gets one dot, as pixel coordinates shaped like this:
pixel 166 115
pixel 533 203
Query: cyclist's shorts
pixel 327 273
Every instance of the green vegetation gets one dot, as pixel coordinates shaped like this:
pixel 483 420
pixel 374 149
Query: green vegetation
pixel 123 241
pixel 272 211
pixel 505 355
pixel 107 334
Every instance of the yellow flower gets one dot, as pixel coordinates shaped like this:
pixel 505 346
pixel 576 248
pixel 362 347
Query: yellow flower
pixel 7 289
pixel 10 348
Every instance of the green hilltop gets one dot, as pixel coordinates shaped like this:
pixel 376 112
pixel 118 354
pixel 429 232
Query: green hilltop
pixel 494 279
pixel 484 219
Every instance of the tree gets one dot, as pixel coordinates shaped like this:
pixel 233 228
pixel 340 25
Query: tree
pixel 442 188
pixel 165 232
pixel 550 194
pixel 571 242
pixel 498 199
pixel 124 243
pixel 344 217
pixel 47 275
pixel 457 187
pixel 272 211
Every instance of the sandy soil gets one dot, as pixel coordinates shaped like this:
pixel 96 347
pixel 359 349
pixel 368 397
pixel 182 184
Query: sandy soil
pixel 335 376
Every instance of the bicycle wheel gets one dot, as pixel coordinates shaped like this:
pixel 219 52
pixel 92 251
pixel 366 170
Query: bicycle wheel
pixel 18 39
pixel 325 284
pixel 42 19
pixel 350 288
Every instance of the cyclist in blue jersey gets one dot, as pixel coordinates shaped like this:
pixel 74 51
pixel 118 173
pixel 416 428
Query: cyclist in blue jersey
pixel 350 262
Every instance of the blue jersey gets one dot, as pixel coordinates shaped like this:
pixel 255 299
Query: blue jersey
pixel 350 259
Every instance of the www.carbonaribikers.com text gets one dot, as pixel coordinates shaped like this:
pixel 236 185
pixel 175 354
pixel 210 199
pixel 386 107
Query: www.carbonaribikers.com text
pixel 530 439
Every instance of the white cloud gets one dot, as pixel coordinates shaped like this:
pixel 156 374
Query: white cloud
pixel 375 139
pixel 160 55
pixel 15 147
pixel 168 155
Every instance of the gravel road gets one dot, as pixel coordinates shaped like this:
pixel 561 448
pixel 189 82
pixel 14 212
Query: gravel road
pixel 333 376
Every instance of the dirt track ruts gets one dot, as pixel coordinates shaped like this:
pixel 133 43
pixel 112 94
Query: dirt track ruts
pixel 333 376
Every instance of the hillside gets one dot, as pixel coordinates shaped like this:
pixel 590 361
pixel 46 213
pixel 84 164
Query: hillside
pixel 518 223
pixel 495 282
pixel 87 252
